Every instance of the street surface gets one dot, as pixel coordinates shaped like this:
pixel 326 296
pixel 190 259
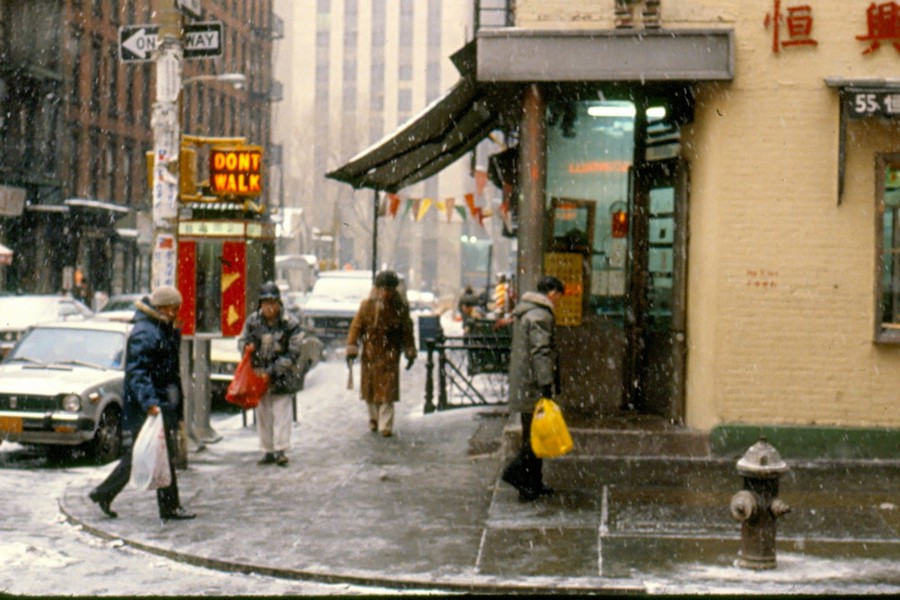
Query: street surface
pixel 41 554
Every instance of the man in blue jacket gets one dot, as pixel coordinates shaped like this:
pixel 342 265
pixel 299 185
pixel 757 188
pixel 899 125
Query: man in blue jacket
pixel 152 386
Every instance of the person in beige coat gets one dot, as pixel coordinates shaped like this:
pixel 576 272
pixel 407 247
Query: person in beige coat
pixel 383 328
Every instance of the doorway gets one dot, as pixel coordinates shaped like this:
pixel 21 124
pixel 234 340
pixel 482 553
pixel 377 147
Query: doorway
pixel 616 193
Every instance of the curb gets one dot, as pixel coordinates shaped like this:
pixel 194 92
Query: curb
pixel 479 584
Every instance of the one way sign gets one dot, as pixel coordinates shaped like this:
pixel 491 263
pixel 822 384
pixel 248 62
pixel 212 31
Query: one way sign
pixel 137 42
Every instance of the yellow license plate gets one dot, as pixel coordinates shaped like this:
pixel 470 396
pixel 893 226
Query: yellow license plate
pixel 10 424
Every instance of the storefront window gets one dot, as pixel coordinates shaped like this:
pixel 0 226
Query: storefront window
pixel 590 145
pixel 888 326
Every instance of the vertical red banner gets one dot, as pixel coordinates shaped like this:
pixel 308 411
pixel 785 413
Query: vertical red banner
pixel 187 285
pixel 234 287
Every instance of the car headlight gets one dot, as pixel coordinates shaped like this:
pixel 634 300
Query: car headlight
pixel 71 402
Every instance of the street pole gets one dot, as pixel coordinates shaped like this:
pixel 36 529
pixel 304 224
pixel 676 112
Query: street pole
pixel 166 124
pixel 166 144
pixel 374 233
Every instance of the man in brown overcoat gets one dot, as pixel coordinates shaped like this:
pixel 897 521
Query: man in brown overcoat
pixel 383 327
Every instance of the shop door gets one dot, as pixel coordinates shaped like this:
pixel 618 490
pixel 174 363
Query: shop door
pixel 655 333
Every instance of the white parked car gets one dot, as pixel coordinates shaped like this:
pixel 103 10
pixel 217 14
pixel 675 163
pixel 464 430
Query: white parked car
pixel 18 313
pixel 62 387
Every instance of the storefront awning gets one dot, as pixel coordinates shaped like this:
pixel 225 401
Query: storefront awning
pixel 511 54
pixel 435 138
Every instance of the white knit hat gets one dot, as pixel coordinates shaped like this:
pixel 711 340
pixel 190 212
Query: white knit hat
pixel 165 296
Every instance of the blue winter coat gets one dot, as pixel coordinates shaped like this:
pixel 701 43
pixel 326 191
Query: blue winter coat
pixel 152 368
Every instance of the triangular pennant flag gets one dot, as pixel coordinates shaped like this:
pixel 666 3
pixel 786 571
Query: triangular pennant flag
pixel 462 213
pixel 409 204
pixel 481 179
pixel 448 208
pixel 470 201
pixel 382 206
pixel 424 205
pixel 394 204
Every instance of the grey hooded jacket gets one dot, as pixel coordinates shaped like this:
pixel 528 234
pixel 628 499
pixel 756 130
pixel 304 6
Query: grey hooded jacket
pixel 533 361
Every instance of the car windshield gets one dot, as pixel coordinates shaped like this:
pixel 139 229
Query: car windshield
pixel 88 347
pixel 342 290
pixel 22 311
pixel 118 304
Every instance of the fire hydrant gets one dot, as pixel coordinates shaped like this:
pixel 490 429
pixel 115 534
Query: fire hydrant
pixel 757 506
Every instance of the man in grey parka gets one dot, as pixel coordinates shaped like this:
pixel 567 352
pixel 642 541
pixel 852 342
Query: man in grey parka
pixel 533 374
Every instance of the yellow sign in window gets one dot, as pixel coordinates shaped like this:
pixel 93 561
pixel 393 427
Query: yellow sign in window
pixel 567 266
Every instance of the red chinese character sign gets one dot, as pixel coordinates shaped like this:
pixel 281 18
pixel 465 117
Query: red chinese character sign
pixel 883 22
pixel 791 26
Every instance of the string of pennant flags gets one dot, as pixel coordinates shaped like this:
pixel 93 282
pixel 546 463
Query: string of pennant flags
pixel 454 209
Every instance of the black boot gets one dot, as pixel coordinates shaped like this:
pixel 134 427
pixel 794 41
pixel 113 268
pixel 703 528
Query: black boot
pixel 104 503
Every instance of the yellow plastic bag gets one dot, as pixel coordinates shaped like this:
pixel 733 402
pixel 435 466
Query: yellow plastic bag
pixel 549 435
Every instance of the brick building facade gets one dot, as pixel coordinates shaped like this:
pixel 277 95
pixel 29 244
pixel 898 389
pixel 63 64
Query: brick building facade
pixel 76 128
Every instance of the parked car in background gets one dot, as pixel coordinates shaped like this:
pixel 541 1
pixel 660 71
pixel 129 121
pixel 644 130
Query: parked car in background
pixel 62 387
pixel 18 313
pixel 424 302
pixel 333 303
pixel 119 307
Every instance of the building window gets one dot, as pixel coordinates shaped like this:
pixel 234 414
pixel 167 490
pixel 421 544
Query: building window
pixel 127 175
pixel 77 34
pixel 113 69
pixel 146 95
pixel 96 72
pixel 74 154
pixel 95 162
pixel 110 169
pixel 887 235
pixel 129 95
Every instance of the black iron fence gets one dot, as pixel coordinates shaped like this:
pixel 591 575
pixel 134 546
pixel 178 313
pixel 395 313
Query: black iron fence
pixel 472 369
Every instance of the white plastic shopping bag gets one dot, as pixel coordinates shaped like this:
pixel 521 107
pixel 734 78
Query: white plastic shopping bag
pixel 149 459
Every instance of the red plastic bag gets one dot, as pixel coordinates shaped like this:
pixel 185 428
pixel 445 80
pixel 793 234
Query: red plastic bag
pixel 246 388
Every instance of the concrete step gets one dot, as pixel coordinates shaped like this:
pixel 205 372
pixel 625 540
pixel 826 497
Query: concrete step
pixel 622 435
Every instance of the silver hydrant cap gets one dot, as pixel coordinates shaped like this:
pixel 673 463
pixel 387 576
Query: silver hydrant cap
pixel 762 460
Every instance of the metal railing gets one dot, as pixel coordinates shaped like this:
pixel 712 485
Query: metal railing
pixel 472 371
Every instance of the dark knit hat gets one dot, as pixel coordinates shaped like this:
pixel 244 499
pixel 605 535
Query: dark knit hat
pixel 387 280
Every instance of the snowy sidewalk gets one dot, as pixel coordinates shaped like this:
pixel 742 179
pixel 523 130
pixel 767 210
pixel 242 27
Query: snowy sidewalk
pixel 416 511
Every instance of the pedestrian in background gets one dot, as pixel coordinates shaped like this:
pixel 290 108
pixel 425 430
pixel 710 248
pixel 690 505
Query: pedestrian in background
pixel 152 386
pixel 469 305
pixel 501 296
pixel 383 327
pixel 533 374
pixel 274 338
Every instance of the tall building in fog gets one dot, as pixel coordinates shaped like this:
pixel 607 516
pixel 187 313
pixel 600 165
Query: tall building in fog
pixel 355 71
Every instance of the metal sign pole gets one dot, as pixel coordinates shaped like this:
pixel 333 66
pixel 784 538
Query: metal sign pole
pixel 166 143
pixel 374 232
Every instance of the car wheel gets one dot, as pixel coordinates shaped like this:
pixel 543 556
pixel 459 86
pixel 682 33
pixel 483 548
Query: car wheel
pixel 107 443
